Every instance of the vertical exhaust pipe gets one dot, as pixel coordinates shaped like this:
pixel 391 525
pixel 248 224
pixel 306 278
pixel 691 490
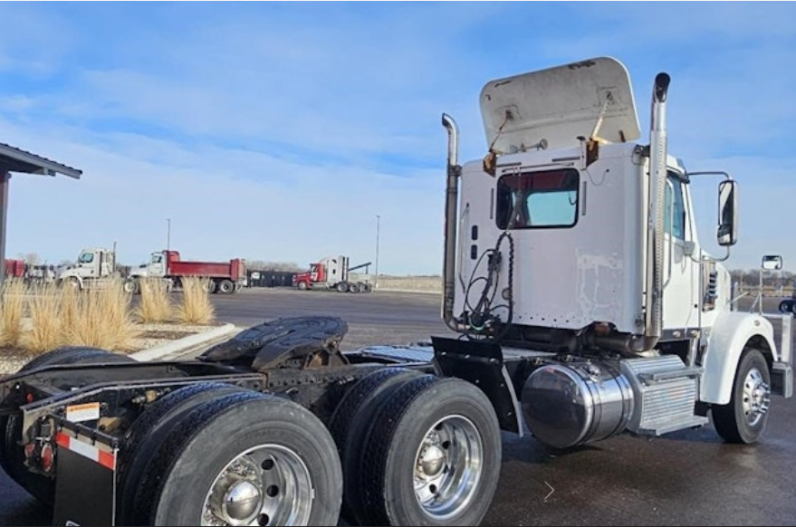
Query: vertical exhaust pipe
pixel 657 194
pixel 451 202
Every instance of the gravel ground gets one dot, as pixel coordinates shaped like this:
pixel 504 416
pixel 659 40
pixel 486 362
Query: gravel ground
pixel 11 360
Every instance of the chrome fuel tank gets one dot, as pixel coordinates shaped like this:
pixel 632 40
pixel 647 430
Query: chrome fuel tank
pixel 570 404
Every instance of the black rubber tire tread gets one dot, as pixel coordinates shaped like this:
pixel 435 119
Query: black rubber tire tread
pixel 784 307
pixel 384 501
pixel 11 455
pixel 349 422
pixel 187 437
pixel 145 434
pixel 226 286
pixel 728 419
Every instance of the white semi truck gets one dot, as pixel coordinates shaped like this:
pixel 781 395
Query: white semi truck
pixel 585 305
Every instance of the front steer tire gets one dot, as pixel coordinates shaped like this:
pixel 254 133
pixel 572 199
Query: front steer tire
pixel 732 421
pixel 448 427
pixel 182 474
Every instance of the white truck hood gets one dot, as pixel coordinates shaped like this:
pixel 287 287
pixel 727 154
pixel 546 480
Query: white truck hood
pixel 557 105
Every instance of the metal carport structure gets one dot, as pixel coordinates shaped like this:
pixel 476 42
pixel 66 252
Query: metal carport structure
pixel 19 161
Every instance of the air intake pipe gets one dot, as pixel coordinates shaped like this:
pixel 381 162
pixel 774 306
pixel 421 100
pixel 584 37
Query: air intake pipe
pixel 657 194
pixel 451 202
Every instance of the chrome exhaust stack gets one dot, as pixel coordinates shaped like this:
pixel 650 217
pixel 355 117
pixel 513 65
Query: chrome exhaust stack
pixel 451 202
pixel 656 223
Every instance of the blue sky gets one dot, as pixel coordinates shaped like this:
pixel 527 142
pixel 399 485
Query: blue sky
pixel 280 131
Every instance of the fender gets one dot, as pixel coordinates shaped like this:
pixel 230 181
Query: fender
pixel 729 335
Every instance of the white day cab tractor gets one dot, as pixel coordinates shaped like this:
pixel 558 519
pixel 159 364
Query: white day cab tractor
pixel 585 307
pixel 93 267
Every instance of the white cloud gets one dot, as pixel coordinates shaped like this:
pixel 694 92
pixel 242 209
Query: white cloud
pixel 280 134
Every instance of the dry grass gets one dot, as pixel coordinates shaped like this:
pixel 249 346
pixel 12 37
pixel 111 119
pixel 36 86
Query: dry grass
pixel 103 320
pixel 62 316
pixel 196 306
pixel 155 305
pixel 44 308
pixel 12 311
pixel 411 283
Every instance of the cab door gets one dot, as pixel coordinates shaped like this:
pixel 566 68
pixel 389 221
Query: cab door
pixel 680 292
pixel 157 267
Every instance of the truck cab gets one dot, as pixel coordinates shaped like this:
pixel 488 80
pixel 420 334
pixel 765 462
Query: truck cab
pixel 156 267
pixel 574 238
pixel 91 264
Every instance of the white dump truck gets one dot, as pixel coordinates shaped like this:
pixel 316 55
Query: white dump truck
pixel 585 305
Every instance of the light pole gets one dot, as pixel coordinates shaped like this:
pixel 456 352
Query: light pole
pixel 168 233
pixel 378 223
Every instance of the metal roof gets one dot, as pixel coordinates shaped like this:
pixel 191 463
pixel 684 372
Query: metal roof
pixel 14 159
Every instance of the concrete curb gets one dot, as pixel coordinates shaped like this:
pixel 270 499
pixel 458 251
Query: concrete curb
pixel 186 344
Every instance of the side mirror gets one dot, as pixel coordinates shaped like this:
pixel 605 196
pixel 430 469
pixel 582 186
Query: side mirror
pixel 772 262
pixel 727 233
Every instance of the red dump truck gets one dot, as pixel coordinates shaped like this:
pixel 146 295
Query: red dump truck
pixel 225 277
pixel 15 268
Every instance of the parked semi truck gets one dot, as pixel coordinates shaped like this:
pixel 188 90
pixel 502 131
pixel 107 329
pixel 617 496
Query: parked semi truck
pixel 223 277
pixel 332 272
pixel 585 307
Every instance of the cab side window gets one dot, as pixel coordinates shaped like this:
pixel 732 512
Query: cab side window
pixel 675 207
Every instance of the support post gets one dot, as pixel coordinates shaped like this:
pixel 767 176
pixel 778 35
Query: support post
pixel 378 225
pixel 5 178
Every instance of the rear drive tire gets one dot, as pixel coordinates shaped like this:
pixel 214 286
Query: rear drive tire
pixel 255 458
pixel 744 419
pixel 353 288
pixel 226 287
pixel 12 456
pixel 147 432
pixel 211 286
pixel 432 456
pixel 342 287
pixel 350 421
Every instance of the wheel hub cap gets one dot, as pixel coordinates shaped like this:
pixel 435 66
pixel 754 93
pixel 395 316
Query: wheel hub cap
pixel 432 461
pixel 756 397
pixel 242 501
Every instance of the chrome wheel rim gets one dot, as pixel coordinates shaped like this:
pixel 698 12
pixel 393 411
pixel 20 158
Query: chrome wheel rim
pixel 756 397
pixel 265 485
pixel 448 467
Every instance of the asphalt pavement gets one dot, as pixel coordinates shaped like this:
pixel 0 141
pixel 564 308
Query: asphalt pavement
pixel 686 478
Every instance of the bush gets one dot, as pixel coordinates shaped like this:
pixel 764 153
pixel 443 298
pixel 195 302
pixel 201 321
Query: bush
pixel 63 316
pixel 44 308
pixel 196 306
pixel 12 311
pixel 102 319
pixel 155 305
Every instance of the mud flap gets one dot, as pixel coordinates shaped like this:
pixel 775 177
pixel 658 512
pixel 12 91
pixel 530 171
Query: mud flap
pixel 481 364
pixel 85 489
